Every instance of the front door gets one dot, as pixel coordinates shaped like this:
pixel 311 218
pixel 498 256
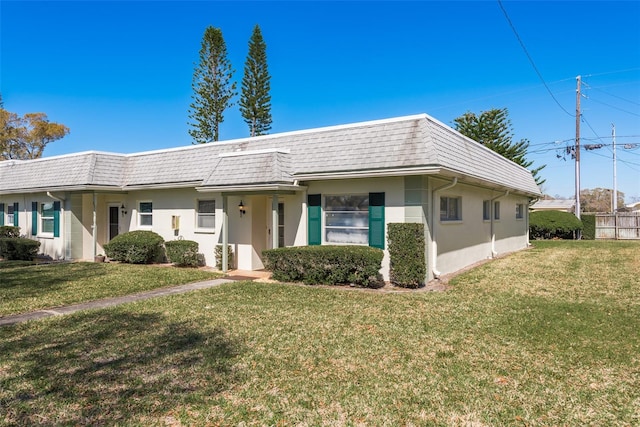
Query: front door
pixel 114 221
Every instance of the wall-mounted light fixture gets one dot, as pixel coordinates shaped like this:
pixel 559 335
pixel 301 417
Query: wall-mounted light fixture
pixel 242 209
pixel 123 210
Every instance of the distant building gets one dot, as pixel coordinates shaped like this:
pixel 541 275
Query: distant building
pixel 634 207
pixel 563 205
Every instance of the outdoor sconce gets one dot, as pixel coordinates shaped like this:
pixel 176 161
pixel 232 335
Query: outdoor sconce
pixel 241 208
pixel 123 210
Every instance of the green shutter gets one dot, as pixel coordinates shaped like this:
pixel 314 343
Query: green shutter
pixel 376 220
pixel 56 219
pixel 314 219
pixel 16 214
pixel 1 214
pixel 34 218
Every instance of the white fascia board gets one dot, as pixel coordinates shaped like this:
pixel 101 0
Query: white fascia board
pixel 167 186
pixel 251 188
pixel 322 176
pixel 59 189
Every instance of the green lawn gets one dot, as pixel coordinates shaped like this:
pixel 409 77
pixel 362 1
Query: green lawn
pixel 29 288
pixel 548 336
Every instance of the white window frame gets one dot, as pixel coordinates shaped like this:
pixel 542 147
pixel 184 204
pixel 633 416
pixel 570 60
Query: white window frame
pixel 42 218
pixel 144 214
pixel 520 211
pixel 496 211
pixel 9 220
pixel 447 217
pixel 200 215
pixel 361 228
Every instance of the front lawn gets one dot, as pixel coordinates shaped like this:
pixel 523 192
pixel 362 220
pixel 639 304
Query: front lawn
pixel 548 336
pixel 35 287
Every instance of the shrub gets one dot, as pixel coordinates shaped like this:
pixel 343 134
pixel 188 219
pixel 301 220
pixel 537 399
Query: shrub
pixel 588 227
pixel 18 248
pixel 408 267
pixel 553 225
pixel 183 253
pixel 136 247
pixel 326 265
pixel 218 254
pixel 9 231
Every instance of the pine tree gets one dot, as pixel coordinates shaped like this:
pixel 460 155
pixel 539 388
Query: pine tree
pixel 255 100
pixel 213 88
pixel 493 129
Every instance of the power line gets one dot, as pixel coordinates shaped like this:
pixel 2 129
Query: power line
pixel 513 28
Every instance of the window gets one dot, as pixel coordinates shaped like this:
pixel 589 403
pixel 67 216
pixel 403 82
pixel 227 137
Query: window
pixel 347 219
pixel 486 210
pixel 450 209
pixel 10 214
pixel 145 214
pixel 496 210
pixel 206 214
pixel 47 218
pixel 520 211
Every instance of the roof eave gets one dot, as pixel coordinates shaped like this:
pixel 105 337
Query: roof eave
pixel 245 188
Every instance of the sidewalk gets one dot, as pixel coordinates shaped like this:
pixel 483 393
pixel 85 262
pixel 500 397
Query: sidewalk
pixel 109 302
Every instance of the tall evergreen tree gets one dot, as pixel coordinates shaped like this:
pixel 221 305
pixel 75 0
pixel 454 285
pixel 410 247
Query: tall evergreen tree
pixel 255 100
pixel 493 129
pixel 212 86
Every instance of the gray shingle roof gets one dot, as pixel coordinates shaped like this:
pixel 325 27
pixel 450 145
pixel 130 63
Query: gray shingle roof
pixel 414 142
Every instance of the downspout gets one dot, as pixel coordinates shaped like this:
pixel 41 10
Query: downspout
pixel 434 242
pixel 494 253
pixel 94 226
pixel 225 235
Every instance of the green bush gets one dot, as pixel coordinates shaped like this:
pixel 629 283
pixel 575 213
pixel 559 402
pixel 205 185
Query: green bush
pixel 408 267
pixel 9 231
pixel 18 249
pixel 326 265
pixel 588 227
pixel 553 225
pixel 218 254
pixel 183 253
pixel 136 247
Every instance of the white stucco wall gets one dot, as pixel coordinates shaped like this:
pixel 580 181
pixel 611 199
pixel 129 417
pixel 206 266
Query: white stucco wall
pixel 394 200
pixel 462 243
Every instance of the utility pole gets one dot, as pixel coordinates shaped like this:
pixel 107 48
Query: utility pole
pixel 578 95
pixel 615 177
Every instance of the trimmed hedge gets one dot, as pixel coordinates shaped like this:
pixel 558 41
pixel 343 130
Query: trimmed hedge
pixel 183 253
pixel 9 231
pixel 408 266
pixel 136 247
pixel 553 225
pixel 326 265
pixel 588 227
pixel 18 249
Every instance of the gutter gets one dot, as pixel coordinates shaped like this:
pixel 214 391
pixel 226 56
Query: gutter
pixel 434 242
pixel 494 253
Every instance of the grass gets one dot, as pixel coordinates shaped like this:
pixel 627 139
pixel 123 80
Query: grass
pixel 548 336
pixel 29 287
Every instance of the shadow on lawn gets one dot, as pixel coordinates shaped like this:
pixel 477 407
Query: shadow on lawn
pixel 111 368
pixel 35 278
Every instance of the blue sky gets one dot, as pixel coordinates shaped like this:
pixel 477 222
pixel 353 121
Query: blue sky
pixel 119 73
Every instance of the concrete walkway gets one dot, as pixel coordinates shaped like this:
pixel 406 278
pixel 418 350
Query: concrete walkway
pixel 109 302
